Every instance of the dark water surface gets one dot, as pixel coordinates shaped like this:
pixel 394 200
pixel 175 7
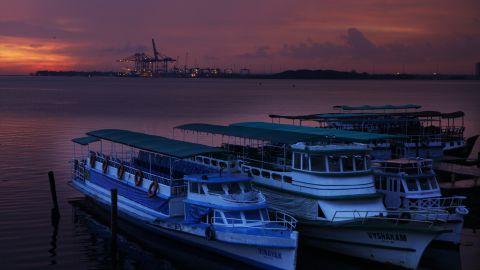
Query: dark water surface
pixel 39 116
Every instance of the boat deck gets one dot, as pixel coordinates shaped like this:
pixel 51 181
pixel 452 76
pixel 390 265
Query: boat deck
pixel 128 191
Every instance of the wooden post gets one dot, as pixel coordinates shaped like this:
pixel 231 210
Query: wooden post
pixel 452 179
pixel 53 192
pixel 114 214
pixel 113 226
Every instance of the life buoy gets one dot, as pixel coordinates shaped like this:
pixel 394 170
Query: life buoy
pixel 93 157
pixel 209 233
pixel 138 178
pixel 152 189
pixel 86 174
pixel 105 165
pixel 120 172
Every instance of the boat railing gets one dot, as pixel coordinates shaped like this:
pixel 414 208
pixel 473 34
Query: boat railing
pixel 448 203
pixel 79 171
pixel 253 196
pixel 425 218
pixel 278 221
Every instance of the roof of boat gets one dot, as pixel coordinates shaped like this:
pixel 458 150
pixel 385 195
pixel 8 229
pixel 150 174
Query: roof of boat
pixel 217 178
pixel 372 117
pixel 85 140
pixel 274 136
pixel 153 143
pixel 345 135
pixel 381 107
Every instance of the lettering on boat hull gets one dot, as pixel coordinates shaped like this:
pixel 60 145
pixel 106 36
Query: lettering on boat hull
pixel 387 236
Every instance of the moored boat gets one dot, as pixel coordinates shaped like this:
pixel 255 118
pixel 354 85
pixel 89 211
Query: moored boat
pixel 202 206
pixel 410 183
pixel 328 186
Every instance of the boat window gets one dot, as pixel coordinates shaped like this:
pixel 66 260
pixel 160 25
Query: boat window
pixel 296 160
pixel 218 217
pixel 360 163
pixel 412 185
pixel 368 162
pixel 223 164
pixel 433 182
pixel 193 187
pixel 334 163
pixel 287 179
pixel 276 176
pixel 214 162
pixel 198 159
pixel 232 164
pixel 377 182
pixel 265 174
pixel 320 212
pixel 247 187
pixel 305 165
pixel 233 217
pixel 402 189
pixel 424 183
pixel 252 216
pixel 264 214
pixel 318 163
pixel 206 161
pixel 384 183
pixel 347 163
pixel 215 188
pixel 255 172
pixel 233 188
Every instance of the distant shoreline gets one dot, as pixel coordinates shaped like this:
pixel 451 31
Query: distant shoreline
pixel 289 74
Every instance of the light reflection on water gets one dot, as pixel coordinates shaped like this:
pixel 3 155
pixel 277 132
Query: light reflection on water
pixel 39 116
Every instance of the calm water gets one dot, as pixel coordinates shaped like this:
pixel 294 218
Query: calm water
pixel 38 117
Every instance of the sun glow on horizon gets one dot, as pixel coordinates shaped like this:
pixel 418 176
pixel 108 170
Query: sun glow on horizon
pixel 24 55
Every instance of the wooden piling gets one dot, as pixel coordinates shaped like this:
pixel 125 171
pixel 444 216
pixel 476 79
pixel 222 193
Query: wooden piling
pixel 452 179
pixel 53 192
pixel 113 226
pixel 114 212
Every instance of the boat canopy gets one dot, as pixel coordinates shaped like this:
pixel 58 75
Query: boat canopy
pixel 274 136
pixel 324 133
pixel 217 178
pixel 382 107
pixel 381 117
pixel 85 140
pixel 153 143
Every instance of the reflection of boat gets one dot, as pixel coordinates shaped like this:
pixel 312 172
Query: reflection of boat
pixel 430 134
pixel 158 189
pixel 328 186
pixel 411 184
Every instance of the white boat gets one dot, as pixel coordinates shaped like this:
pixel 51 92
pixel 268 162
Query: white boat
pixel 328 187
pixel 191 203
pixel 410 183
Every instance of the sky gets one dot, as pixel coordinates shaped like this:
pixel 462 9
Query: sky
pixel 263 35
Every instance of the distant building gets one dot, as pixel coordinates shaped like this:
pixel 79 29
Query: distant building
pixel 477 69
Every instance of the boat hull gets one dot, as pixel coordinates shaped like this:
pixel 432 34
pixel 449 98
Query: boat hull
pixel 385 245
pixel 261 256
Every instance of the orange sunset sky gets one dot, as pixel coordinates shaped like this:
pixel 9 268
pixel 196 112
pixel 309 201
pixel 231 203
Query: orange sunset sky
pixel 263 35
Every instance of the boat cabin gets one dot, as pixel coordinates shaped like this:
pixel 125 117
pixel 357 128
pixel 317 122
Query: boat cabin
pixel 330 159
pixel 404 181
pixel 224 199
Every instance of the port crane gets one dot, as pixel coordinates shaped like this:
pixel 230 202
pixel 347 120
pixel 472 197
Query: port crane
pixel 145 65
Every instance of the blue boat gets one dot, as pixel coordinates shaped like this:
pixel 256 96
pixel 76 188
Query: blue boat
pixel 160 190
